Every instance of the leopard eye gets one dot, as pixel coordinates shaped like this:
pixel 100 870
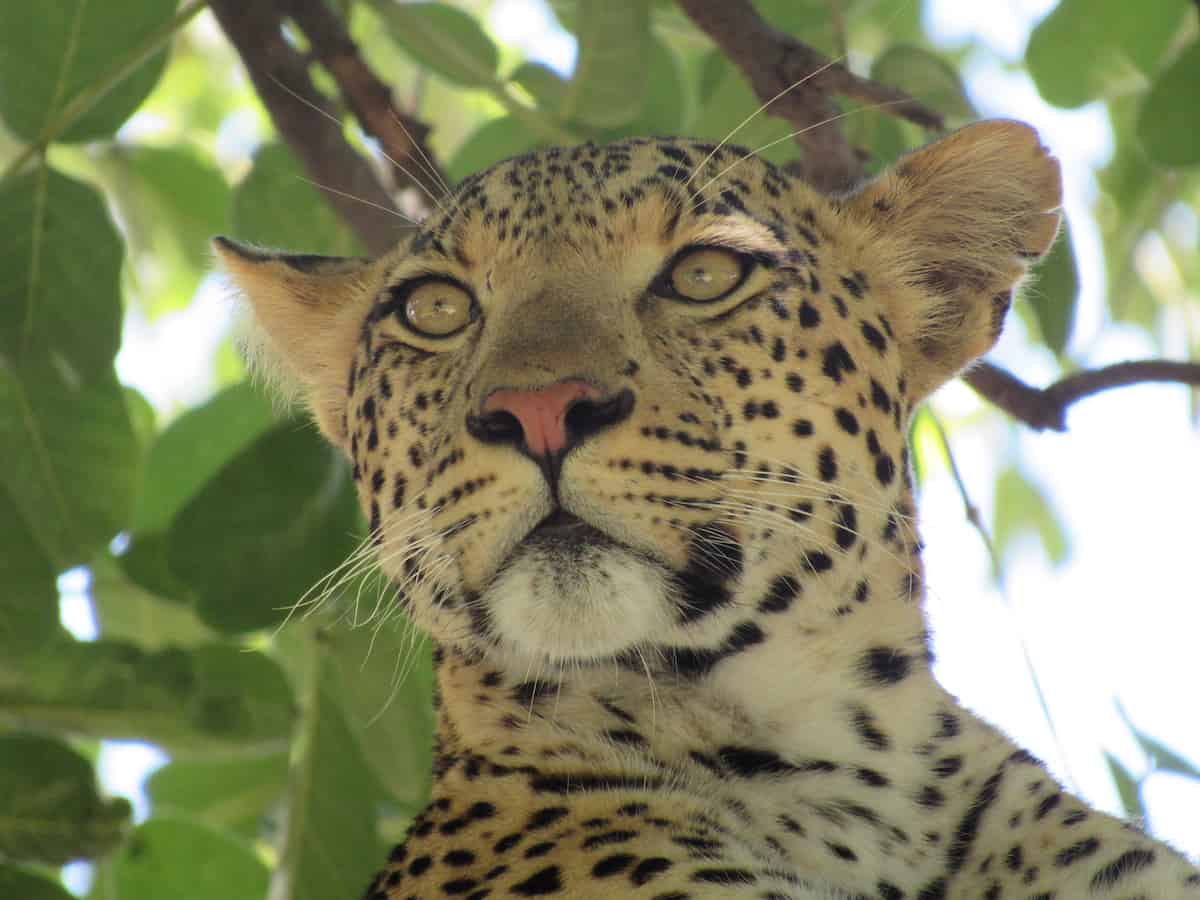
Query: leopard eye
pixel 438 308
pixel 707 273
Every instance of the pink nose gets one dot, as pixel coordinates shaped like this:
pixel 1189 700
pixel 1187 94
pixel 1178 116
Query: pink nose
pixel 542 413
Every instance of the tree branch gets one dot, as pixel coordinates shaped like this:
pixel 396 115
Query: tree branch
pixel 401 137
pixel 1042 408
pixel 776 63
pixel 280 77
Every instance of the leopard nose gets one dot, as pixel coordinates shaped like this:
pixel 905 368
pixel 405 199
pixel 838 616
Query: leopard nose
pixel 547 422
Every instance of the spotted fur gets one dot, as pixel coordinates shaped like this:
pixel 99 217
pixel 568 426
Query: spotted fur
pixel 685 656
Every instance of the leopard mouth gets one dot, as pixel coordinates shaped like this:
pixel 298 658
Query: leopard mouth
pixel 565 530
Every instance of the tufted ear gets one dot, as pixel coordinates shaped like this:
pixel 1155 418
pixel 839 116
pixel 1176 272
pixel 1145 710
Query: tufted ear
pixel 959 222
pixel 307 312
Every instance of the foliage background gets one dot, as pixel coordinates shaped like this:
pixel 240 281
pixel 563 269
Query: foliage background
pixel 180 519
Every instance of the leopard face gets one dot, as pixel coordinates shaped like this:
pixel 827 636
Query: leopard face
pixel 632 403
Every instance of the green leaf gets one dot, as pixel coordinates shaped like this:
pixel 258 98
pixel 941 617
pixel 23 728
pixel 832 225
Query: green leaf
pixel 608 86
pixel 1086 49
pixel 144 563
pixel 172 200
pixel 18 883
pixel 493 141
pixel 383 676
pixel 1055 292
pixel 50 57
pixel 665 100
pixel 444 39
pixel 60 266
pixel 714 66
pixel 50 811
pixel 265 529
pixel 1162 757
pixel 1169 123
pixel 142 417
pixel 195 448
pixel 183 459
pixel 1165 759
pixel 331 847
pixel 276 206
pixel 186 192
pixel 70 453
pixel 169 858
pixel 1021 509
pixel 236 794
pixel 1128 788
pixel 926 77
pixel 125 611
pixel 545 85
pixel 884 136
pixel 71 459
pixel 214 698
pixel 28 596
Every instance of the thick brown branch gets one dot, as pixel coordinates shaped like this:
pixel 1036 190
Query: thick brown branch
pixel 401 137
pixel 1042 408
pixel 775 62
pixel 280 76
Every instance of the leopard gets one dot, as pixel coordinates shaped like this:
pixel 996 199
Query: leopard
pixel 629 425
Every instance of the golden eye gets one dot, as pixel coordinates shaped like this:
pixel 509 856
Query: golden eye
pixel 437 308
pixel 707 273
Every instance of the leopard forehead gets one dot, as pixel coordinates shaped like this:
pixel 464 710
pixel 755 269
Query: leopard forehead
pixel 569 205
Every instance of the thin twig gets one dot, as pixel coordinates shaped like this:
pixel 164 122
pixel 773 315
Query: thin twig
pixel 1042 408
pixel 969 508
pixel 973 516
pixel 773 60
pixel 280 76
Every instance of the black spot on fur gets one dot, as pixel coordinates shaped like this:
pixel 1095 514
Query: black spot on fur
pixel 868 731
pixel 836 360
pixel 1126 864
pixel 714 561
pixel 544 881
pixel 780 595
pixel 885 666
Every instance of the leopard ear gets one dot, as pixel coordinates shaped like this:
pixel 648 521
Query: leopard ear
pixel 306 314
pixel 957 224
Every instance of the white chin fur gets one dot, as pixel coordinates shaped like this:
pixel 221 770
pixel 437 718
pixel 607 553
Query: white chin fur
pixel 580 605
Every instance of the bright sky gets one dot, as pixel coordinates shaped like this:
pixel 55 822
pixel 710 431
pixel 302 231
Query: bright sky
pixel 1117 622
